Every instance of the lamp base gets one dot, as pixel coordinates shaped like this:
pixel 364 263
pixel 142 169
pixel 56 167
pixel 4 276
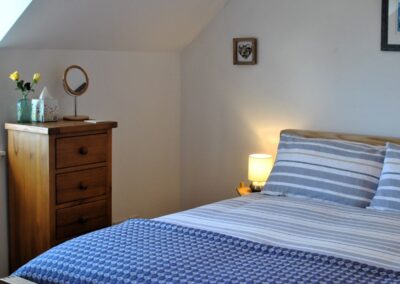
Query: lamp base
pixel 256 188
pixel 76 117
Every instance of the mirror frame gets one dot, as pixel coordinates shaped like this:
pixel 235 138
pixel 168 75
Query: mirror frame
pixel 67 87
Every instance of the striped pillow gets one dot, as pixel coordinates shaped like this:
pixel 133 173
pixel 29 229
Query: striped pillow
pixel 387 196
pixel 333 170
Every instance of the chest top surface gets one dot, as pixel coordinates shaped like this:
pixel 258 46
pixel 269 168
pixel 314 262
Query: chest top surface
pixel 60 127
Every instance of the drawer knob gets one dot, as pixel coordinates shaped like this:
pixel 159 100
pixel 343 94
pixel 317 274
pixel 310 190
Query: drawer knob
pixel 83 186
pixel 83 220
pixel 83 150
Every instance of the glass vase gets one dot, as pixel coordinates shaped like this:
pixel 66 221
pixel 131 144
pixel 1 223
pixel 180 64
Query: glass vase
pixel 24 110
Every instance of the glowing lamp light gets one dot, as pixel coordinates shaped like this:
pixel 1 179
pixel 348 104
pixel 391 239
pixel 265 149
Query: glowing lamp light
pixel 260 166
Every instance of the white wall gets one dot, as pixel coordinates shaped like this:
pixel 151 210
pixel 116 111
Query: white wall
pixel 320 67
pixel 139 90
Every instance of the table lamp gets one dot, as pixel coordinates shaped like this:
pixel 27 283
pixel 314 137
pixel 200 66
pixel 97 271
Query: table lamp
pixel 260 166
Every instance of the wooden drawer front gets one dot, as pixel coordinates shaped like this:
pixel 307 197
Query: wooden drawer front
pixel 81 185
pixel 81 219
pixel 82 150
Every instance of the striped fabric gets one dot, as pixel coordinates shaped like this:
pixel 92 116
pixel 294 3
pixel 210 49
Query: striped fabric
pixel 154 252
pixel 365 236
pixel 333 170
pixel 387 196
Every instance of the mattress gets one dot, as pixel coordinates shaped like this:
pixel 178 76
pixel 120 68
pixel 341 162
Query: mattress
pixel 362 235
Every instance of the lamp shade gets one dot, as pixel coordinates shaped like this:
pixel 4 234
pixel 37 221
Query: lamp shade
pixel 260 166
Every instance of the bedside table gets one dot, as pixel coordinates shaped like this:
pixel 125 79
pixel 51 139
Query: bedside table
pixel 243 190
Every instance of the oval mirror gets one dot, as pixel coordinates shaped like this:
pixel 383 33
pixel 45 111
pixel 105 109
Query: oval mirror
pixel 76 80
pixel 76 83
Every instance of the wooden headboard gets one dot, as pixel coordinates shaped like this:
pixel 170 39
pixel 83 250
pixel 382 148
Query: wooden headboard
pixel 373 140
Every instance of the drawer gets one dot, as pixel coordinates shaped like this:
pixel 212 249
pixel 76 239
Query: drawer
pixel 81 150
pixel 81 185
pixel 77 220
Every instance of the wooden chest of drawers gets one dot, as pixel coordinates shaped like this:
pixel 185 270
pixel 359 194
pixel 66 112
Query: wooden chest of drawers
pixel 59 184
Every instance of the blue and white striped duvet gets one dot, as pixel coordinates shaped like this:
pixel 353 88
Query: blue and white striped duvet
pixel 253 239
pixel 147 251
pixel 361 235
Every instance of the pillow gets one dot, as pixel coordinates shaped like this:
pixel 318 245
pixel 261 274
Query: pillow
pixel 387 196
pixel 332 170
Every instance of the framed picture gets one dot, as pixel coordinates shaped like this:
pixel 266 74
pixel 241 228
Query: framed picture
pixel 390 30
pixel 245 51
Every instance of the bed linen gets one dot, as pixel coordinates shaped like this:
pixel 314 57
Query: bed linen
pixel 336 170
pixel 387 196
pixel 348 232
pixel 253 239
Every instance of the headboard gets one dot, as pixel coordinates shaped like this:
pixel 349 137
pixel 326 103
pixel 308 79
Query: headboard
pixel 373 140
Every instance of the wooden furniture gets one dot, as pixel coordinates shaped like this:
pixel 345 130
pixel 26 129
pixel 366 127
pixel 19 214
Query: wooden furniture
pixel 367 139
pixel 59 184
pixel 243 190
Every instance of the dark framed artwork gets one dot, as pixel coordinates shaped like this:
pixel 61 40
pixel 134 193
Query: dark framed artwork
pixel 245 51
pixel 390 29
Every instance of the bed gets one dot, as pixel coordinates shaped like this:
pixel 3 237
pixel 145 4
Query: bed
pixel 256 238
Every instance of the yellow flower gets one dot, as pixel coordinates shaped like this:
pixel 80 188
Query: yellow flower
pixel 36 78
pixel 14 76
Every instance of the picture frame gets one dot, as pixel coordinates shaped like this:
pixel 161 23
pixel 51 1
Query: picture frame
pixel 390 29
pixel 245 51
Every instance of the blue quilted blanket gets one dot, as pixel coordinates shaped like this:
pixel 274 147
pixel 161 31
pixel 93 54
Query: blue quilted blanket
pixel 147 251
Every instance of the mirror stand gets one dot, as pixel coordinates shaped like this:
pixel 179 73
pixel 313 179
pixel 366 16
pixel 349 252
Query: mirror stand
pixel 76 117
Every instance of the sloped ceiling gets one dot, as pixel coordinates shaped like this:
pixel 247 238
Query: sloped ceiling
pixel 9 14
pixel 132 25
